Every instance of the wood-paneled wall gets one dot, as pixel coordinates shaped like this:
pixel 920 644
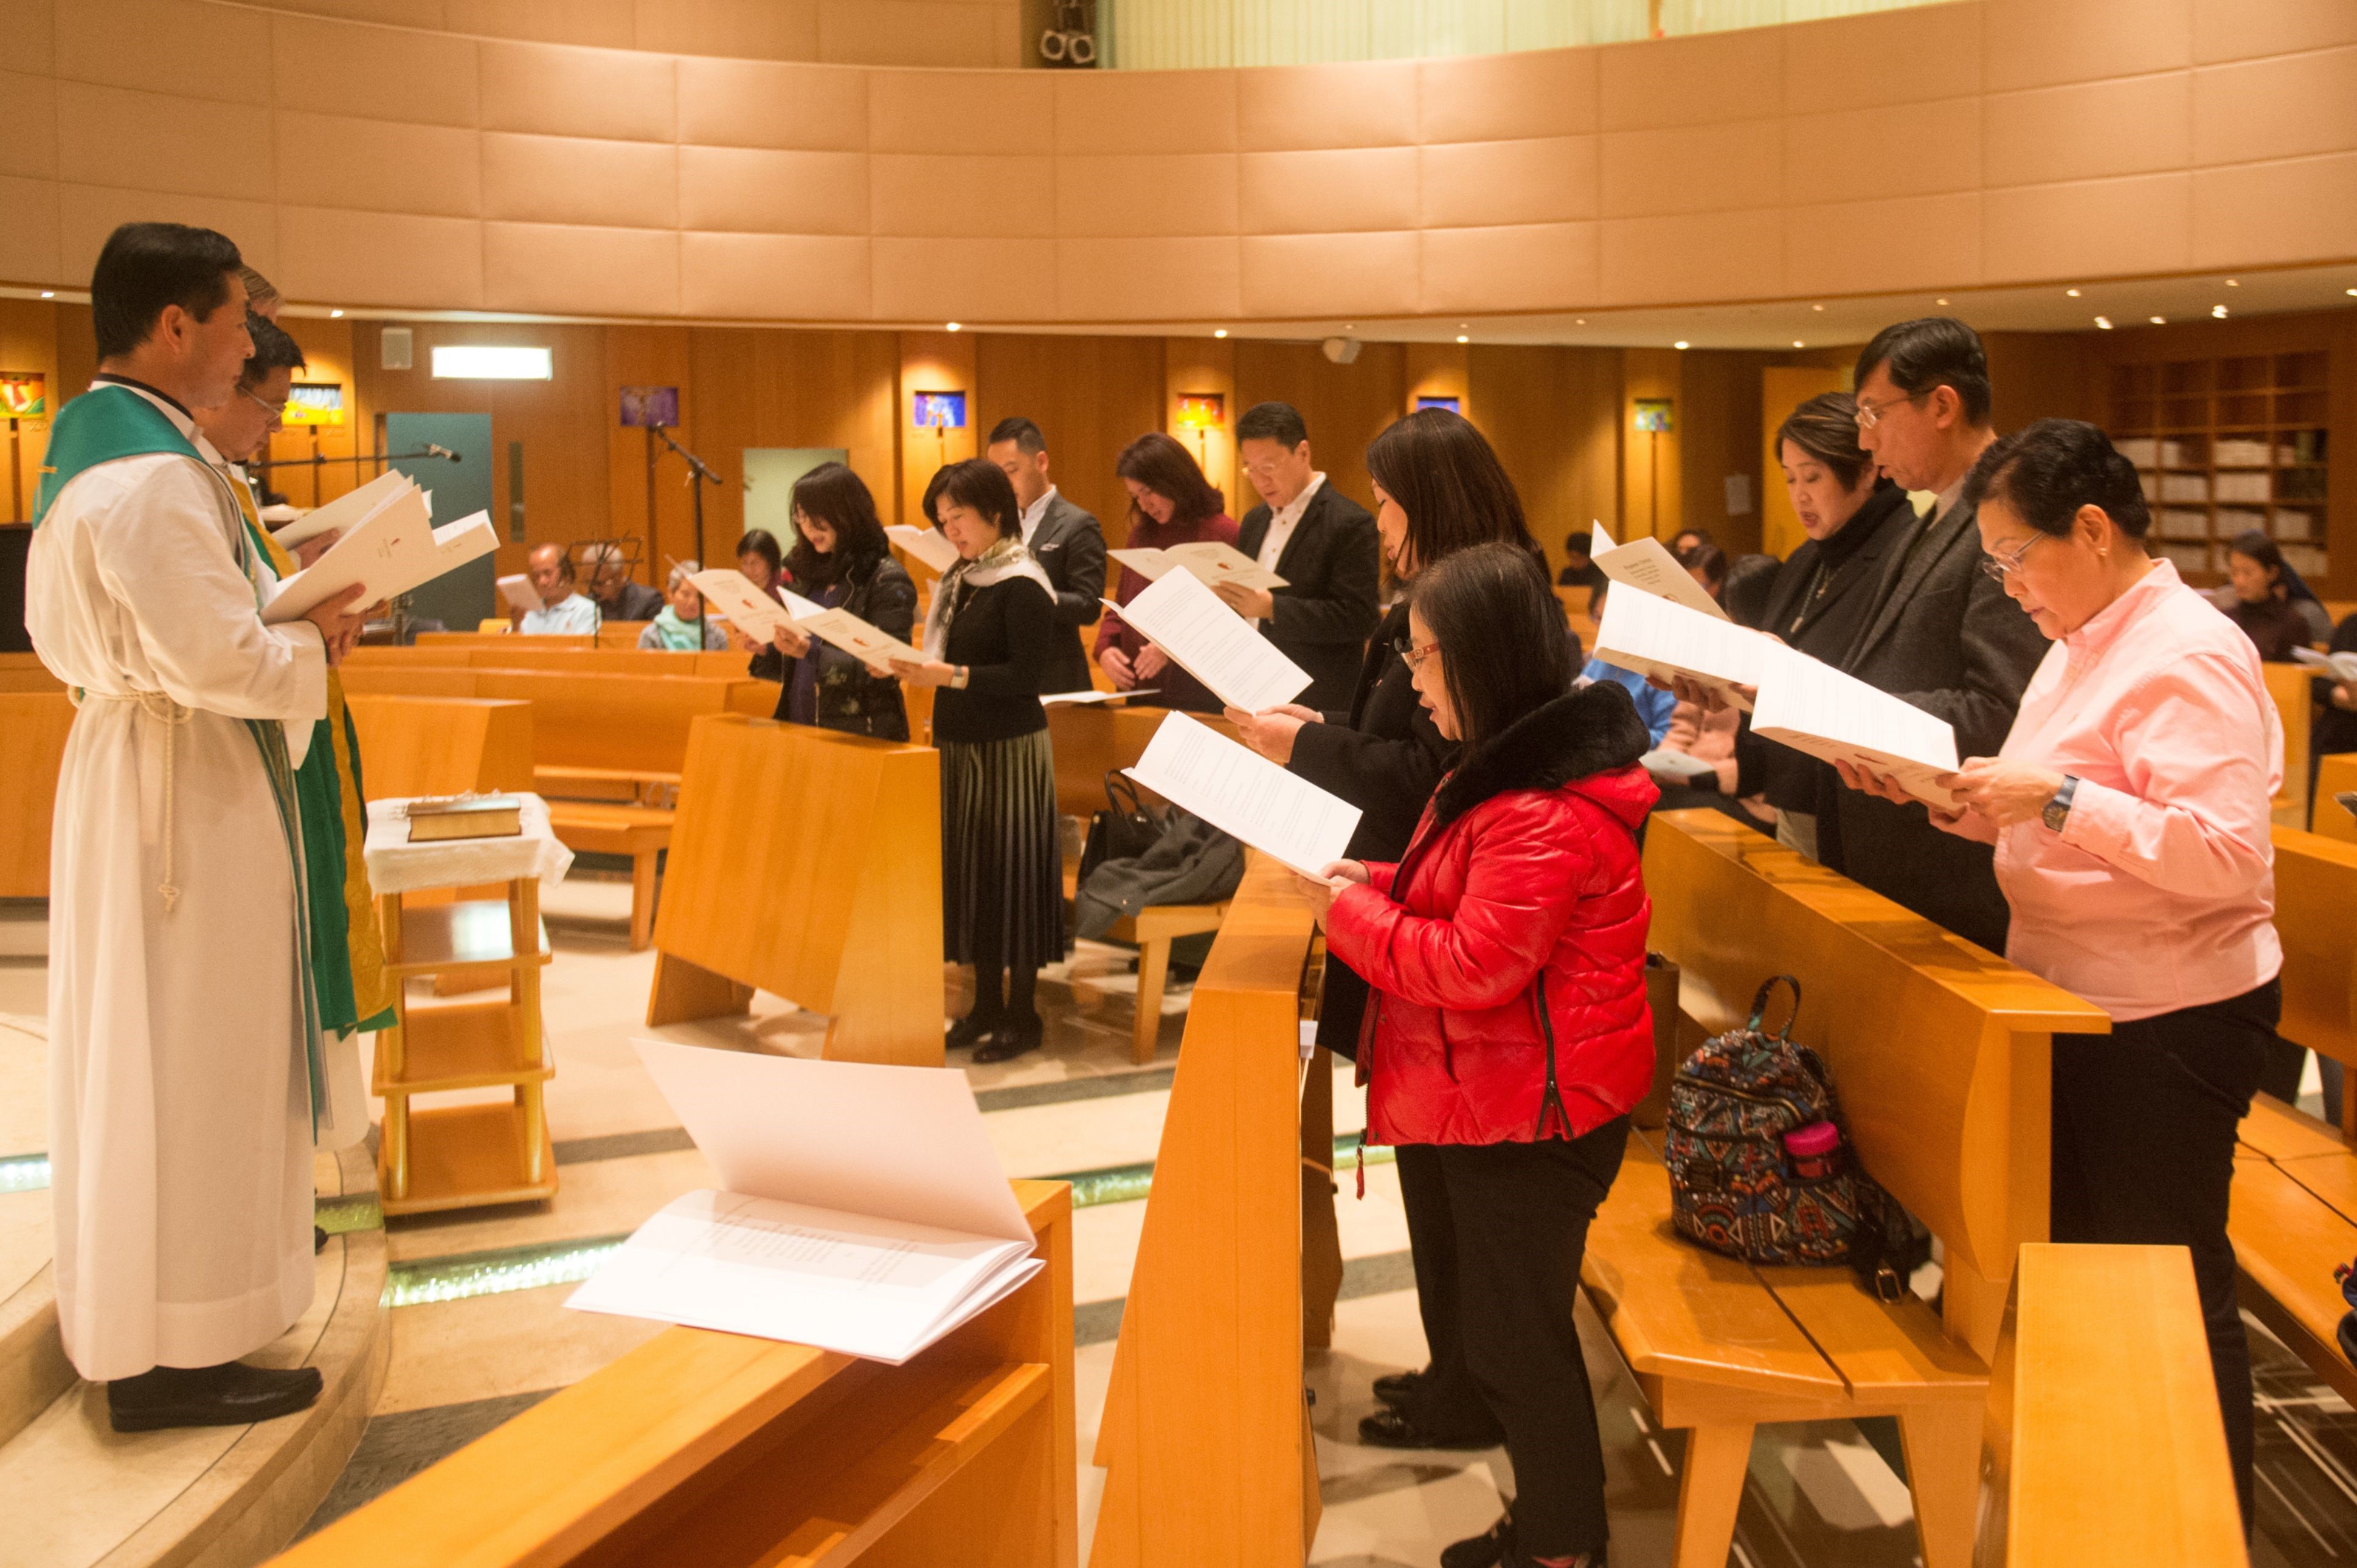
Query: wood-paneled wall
pixel 1560 417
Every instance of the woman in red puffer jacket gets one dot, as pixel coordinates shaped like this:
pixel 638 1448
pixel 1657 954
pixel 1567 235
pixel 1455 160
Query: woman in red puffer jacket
pixel 1508 1027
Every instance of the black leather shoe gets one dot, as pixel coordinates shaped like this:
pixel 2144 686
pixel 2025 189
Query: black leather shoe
pixel 232 1394
pixel 1486 1550
pixel 1397 1388
pixel 968 1031
pixel 1011 1040
pixel 1392 1429
pixel 318 1240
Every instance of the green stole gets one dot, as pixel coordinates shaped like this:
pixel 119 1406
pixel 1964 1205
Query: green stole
pixel 107 425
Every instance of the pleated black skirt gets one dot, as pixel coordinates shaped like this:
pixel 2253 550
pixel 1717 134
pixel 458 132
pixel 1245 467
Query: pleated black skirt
pixel 1002 850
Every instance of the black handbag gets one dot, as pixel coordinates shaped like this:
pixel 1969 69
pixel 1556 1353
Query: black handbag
pixel 1124 830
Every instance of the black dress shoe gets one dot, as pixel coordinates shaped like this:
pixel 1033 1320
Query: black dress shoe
pixel 1392 1429
pixel 1486 1550
pixel 1011 1040
pixel 232 1394
pixel 1398 1388
pixel 318 1240
pixel 968 1031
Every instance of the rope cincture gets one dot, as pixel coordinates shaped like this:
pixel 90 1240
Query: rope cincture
pixel 156 705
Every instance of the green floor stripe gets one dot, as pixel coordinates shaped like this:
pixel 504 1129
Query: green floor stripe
pixel 24 1173
pixel 342 1216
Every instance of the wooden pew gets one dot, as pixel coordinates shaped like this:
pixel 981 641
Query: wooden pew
pixel 2335 775
pixel 503 639
pixel 723 1450
pixel 441 745
pixel 1205 1441
pixel 1940 1052
pixel 808 863
pixel 2289 685
pixel 26 672
pixel 2294 1200
pixel 33 729
pixel 2106 1450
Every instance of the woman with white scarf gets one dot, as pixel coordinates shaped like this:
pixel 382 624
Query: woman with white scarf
pixel 989 640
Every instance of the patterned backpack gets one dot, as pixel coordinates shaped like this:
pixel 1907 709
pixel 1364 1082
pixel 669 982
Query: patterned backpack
pixel 1735 1187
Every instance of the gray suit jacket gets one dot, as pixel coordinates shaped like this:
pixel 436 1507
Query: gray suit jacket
pixel 1945 637
pixel 1071 548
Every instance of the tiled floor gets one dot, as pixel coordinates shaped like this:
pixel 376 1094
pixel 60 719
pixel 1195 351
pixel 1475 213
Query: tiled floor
pixel 1818 1496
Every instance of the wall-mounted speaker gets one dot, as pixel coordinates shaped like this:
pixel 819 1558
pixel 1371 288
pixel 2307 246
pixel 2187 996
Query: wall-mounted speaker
pixel 398 348
pixel 1342 350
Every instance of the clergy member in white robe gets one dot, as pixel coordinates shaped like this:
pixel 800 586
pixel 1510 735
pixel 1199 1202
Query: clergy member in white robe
pixel 183 1067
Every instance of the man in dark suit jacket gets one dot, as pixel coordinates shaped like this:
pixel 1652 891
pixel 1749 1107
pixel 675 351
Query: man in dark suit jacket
pixel 1064 540
pixel 1941 633
pixel 1320 542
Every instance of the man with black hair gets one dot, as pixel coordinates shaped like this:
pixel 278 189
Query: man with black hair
pixel 1066 541
pixel 1940 633
pixel 185 1053
pixel 1320 542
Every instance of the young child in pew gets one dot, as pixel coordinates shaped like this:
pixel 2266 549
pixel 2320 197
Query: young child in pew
pixel 1508 1027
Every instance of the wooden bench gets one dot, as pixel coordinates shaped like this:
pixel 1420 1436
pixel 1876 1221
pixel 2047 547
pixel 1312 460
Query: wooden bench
pixel 2291 686
pixel 641 832
pixel 2335 775
pixel 2105 1447
pixel 727 1451
pixel 2294 1215
pixel 1940 1052
pixel 33 729
pixel 1154 930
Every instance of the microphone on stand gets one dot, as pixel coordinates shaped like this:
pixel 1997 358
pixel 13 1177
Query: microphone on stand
pixel 434 449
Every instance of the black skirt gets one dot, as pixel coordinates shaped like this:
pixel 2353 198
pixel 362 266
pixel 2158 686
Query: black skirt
pixel 1002 850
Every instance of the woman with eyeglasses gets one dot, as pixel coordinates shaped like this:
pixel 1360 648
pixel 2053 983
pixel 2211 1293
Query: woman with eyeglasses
pixel 1438 490
pixel 1509 1035
pixel 842 561
pixel 2129 808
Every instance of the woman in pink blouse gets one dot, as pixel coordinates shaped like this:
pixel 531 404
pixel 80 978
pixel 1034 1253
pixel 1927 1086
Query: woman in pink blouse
pixel 2129 808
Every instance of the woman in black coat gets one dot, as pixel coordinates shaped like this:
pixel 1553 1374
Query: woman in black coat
pixel 841 560
pixel 1439 488
pixel 990 642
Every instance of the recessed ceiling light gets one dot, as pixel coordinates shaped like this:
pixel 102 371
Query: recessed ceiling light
pixel 2233 283
pixel 1798 344
pixel 1579 321
pixel 336 313
pixel 1939 302
pixel 1462 338
pixel 1460 326
pixel 2158 320
pixel 1816 308
pixel 52 294
pixel 1350 326
pixel 2349 291
pixel 1220 332
pixel 1679 344
pixel 2105 322
pixel 2219 311
pixel 2071 292
pixel 957 327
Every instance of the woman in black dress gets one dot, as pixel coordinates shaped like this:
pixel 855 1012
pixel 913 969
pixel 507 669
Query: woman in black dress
pixel 1439 488
pixel 989 642
pixel 842 561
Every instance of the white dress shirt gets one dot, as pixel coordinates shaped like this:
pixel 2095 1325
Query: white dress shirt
pixel 1034 512
pixel 1281 523
pixel 574 615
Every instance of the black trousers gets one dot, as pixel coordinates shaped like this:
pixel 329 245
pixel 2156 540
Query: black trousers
pixel 1505 1273
pixel 2144 1156
pixel 1447 1404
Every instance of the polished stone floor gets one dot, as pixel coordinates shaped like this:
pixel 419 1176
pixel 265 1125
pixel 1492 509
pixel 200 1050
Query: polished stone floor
pixel 1820 1496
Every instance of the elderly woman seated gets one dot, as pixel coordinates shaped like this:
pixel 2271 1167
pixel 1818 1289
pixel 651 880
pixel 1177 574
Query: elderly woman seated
pixel 681 626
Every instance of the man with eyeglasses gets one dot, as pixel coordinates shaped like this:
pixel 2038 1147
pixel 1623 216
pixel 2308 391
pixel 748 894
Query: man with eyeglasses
pixel 1321 543
pixel 1941 633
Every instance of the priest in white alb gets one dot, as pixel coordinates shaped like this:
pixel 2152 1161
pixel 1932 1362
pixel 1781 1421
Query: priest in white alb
pixel 184 1072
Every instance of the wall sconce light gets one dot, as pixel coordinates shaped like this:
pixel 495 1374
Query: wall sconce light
pixel 485 363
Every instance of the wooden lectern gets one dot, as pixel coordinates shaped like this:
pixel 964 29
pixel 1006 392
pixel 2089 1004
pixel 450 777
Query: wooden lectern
pixel 808 863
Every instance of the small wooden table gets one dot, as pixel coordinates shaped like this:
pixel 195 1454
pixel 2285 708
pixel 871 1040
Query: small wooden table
pixel 463 1156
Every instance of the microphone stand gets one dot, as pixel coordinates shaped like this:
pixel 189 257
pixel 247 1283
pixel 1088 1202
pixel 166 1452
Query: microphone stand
pixel 356 459
pixel 699 474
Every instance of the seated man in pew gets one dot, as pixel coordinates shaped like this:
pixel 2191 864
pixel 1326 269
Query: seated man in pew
pixel 620 596
pixel 2130 811
pixel 564 609
pixel 1517 940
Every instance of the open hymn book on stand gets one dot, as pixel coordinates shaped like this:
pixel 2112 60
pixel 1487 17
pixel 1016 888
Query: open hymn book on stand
pixel 863 1211
pixel 1210 642
pixel 1242 794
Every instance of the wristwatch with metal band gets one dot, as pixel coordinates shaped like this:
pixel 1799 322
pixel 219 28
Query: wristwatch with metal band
pixel 2058 809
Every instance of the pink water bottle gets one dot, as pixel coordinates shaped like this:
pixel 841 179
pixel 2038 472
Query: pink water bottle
pixel 1813 1149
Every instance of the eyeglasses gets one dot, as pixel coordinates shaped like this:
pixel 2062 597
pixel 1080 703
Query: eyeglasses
pixel 278 410
pixel 1870 414
pixel 1414 656
pixel 2000 567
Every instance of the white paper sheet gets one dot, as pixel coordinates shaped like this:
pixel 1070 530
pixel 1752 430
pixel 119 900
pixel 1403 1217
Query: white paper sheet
pixel 929 545
pixel 1646 565
pixel 2339 666
pixel 394 549
pixel 865 1211
pixel 857 638
pixel 733 599
pixel 518 591
pixel 1662 638
pixel 344 511
pixel 1212 560
pixel 1212 643
pixel 1092 698
pixel 1814 707
pixel 1241 792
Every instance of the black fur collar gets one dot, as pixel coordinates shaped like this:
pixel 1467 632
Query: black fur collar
pixel 1588 731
